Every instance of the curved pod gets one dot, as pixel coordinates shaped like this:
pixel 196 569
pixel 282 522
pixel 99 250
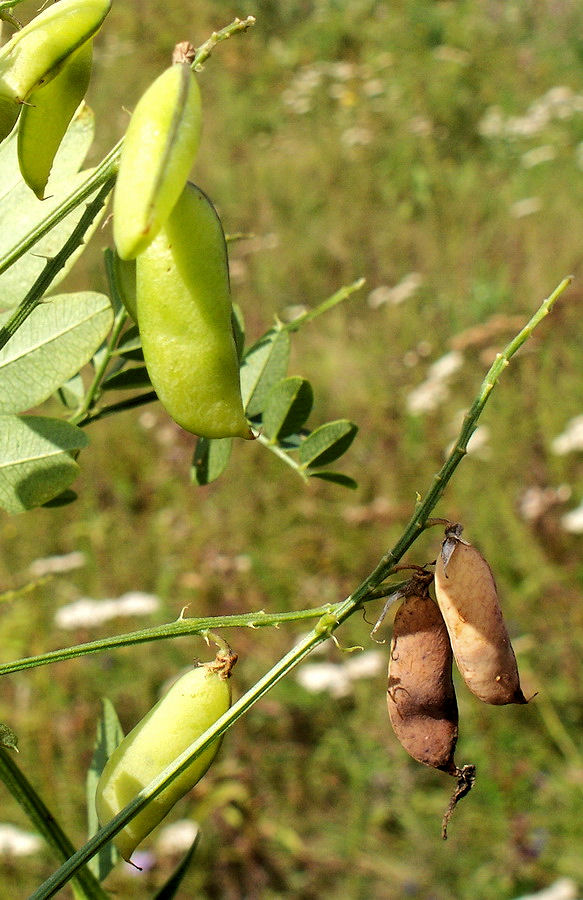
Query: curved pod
pixel 157 154
pixel 36 53
pixel 184 315
pixel 421 696
pixel 466 593
pixel 192 705
pixel 46 116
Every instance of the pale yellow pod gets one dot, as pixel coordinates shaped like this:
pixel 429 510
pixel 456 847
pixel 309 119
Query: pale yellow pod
pixel 193 703
pixel 157 154
pixel 36 53
pixel 466 593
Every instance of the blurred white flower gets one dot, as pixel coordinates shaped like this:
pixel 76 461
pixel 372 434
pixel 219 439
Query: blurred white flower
pixel 319 677
pixel 406 288
pixel 573 520
pixel 538 155
pixel 356 137
pixel 336 678
pixel 525 207
pixel 16 842
pixel 536 501
pixel 176 837
pixel 435 389
pixel 570 439
pixel 52 565
pixel 444 53
pixel 88 613
pixel 561 889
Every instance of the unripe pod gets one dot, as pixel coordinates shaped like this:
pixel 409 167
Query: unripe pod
pixel 184 316
pixel 466 593
pixel 421 697
pixel 158 151
pixel 46 116
pixel 36 53
pixel 192 705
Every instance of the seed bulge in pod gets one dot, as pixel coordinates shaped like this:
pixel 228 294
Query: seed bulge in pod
pixel 466 593
pixel 421 697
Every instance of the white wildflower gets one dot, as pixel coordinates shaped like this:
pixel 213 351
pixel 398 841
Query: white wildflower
pixel 16 842
pixel 88 613
pixel 52 565
pixel 397 294
pixel 561 889
pixel 573 520
pixel 319 677
pixel 435 389
pixel 525 207
pixel 536 156
pixel 177 837
pixel 356 137
pixel 571 438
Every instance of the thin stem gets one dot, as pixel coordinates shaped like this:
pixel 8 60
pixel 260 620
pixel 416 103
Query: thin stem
pixel 204 51
pixel 327 624
pixel 35 295
pixel 281 454
pixel 44 821
pixel 103 174
pixel 179 628
pixel 101 368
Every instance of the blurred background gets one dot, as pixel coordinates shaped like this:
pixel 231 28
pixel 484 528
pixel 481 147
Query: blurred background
pixel 435 148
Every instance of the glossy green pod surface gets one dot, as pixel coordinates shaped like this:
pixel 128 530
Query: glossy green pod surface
pixel 36 53
pixel 46 116
pixel 184 316
pixel 157 154
pixel 193 703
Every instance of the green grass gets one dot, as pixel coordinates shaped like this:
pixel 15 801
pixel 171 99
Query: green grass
pixel 312 796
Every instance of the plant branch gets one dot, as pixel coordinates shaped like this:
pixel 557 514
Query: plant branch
pixel 180 628
pixel 327 624
pixel 35 295
pixel 23 792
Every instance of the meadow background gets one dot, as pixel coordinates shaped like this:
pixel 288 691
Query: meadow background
pixel 435 148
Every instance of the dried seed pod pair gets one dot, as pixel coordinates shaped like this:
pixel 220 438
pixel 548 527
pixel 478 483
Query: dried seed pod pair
pixel 466 623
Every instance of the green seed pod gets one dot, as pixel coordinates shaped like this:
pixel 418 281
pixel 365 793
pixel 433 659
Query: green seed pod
pixel 157 154
pixel 193 703
pixel 125 281
pixel 36 53
pixel 466 593
pixel 184 315
pixel 46 116
pixel 421 696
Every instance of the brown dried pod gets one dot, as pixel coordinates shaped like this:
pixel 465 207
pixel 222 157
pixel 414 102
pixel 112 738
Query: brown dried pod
pixel 466 593
pixel 421 697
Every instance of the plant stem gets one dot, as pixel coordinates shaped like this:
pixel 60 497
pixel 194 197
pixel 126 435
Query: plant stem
pixel 330 620
pixel 35 295
pixel 179 628
pixel 43 820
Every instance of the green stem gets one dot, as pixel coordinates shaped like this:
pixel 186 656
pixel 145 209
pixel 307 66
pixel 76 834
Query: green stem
pixel 281 454
pixel 120 319
pixel 332 618
pixel 35 295
pixel 204 51
pixel 162 632
pixel 27 798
